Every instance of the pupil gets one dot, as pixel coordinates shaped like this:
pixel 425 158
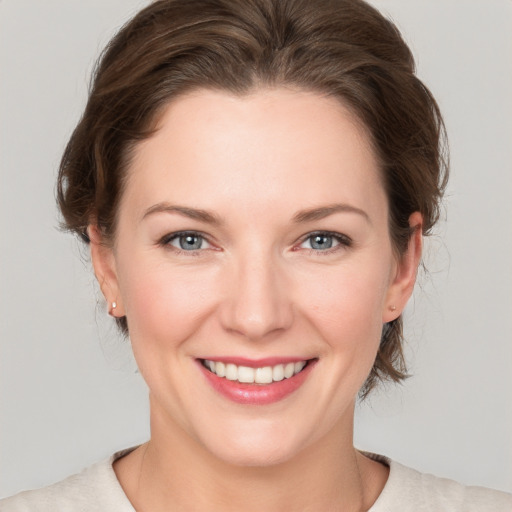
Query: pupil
pixel 321 242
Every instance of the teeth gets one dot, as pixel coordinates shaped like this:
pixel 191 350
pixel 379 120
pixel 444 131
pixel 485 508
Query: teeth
pixel 219 368
pixel 245 374
pixel 263 375
pixel 299 366
pixel 288 370
pixel 231 372
pixel 278 372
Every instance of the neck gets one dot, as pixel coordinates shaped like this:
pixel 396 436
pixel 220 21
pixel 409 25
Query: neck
pixel 174 472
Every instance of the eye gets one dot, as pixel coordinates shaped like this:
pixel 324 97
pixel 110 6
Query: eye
pixel 319 242
pixel 186 241
pixel 323 241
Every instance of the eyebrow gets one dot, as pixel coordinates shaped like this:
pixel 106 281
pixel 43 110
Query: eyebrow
pixel 302 216
pixel 191 213
pixel 324 211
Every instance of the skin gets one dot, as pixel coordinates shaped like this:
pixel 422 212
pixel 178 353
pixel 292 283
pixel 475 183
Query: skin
pixel 256 288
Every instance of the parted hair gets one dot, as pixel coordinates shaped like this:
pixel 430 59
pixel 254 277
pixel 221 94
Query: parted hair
pixel 342 48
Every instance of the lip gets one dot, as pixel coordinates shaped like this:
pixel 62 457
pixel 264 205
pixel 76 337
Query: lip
pixel 257 394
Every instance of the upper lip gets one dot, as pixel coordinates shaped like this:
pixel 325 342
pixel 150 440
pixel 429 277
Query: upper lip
pixel 256 363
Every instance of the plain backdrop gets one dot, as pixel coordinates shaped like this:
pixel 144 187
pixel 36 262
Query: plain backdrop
pixel 69 393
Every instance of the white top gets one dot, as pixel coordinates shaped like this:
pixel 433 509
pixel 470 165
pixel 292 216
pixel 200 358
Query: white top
pixel 96 489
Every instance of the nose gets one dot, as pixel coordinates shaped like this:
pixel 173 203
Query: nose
pixel 257 301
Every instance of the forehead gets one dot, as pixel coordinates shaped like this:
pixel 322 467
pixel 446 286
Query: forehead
pixel 272 146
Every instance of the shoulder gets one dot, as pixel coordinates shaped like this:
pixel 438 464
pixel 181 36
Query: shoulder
pixel 409 490
pixel 94 489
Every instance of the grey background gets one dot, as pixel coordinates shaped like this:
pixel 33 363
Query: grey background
pixel 69 393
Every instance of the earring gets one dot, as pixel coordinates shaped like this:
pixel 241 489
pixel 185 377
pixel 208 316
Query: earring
pixel 112 309
pixel 391 308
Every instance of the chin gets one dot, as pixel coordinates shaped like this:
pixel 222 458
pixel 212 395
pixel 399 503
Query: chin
pixel 259 446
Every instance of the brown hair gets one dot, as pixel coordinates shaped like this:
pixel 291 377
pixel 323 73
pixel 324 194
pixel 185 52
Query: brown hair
pixel 343 48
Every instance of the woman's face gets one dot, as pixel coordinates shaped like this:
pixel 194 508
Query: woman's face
pixel 253 241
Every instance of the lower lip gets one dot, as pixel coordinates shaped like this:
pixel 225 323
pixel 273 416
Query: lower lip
pixel 257 394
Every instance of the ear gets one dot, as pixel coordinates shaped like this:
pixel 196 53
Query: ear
pixel 103 261
pixel 402 284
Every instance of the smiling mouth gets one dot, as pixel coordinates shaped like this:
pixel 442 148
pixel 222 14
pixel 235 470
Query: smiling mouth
pixel 248 375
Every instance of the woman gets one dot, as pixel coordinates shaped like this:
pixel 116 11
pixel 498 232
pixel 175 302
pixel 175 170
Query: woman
pixel 254 180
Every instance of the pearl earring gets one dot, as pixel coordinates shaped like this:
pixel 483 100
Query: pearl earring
pixel 392 308
pixel 112 309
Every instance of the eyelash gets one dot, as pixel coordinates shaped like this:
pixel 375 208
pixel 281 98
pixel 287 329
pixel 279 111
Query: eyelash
pixel 343 242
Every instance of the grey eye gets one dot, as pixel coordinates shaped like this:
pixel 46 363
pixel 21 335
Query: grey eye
pixel 188 242
pixel 320 241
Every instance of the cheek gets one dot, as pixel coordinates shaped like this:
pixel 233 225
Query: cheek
pixel 345 306
pixel 346 297
pixel 164 305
